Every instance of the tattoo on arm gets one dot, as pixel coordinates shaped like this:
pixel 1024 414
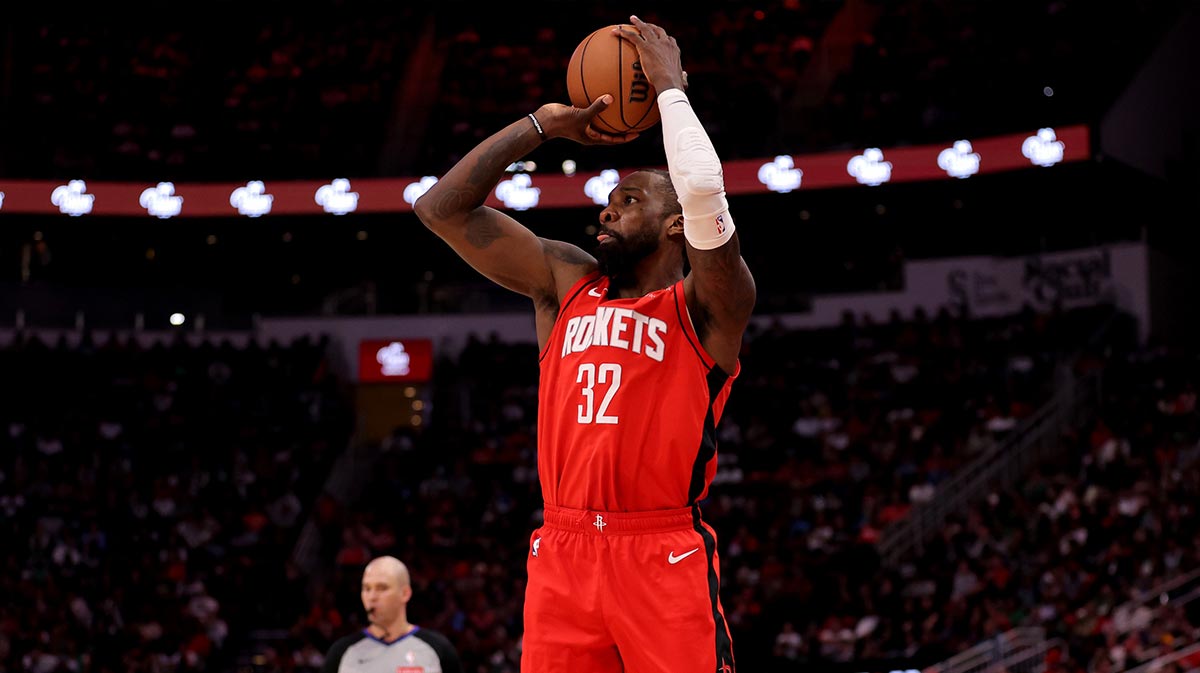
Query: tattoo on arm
pixel 482 230
pixel 568 253
pixel 486 168
pixel 491 163
pixel 452 201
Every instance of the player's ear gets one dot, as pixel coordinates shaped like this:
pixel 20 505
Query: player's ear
pixel 675 227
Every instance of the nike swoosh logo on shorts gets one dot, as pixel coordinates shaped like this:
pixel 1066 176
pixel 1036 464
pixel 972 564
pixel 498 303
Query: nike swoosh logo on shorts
pixel 673 559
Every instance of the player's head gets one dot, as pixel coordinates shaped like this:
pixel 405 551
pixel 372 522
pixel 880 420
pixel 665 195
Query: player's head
pixel 385 590
pixel 643 215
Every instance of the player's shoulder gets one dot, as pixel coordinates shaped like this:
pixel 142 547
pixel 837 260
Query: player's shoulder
pixel 568 264
pixel 569 255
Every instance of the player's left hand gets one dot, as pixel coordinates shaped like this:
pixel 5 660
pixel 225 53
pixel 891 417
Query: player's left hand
pixel 566 121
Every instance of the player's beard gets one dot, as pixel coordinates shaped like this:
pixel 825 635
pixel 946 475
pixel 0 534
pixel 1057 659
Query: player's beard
pixel 618 256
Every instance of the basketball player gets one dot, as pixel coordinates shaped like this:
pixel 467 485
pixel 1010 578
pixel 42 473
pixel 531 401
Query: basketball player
pixel 390 644
pixel 636 365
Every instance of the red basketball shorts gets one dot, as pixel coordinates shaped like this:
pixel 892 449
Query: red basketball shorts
pixel 624 593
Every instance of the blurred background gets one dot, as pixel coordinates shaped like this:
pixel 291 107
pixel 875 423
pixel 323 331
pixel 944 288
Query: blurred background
pixel 965 437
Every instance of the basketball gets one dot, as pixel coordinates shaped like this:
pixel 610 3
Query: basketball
pixel 605 63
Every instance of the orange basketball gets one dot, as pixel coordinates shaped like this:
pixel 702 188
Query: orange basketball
pixel 604 63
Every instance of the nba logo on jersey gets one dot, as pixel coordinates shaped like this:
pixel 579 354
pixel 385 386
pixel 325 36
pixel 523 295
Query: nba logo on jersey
pixel 411 658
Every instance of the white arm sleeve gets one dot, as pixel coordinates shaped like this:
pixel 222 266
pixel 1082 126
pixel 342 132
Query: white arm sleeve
pixel 695 172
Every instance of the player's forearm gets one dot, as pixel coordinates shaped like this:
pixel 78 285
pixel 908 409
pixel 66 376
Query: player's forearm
pixel 466 186
pixel 696 173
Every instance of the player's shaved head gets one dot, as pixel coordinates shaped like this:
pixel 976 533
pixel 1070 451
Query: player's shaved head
pixel 666 189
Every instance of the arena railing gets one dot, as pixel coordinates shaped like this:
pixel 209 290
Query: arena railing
pixel 996 648
pixel 1179 590
pixel 1162 663
pixel 1031 660
pixel 1034 440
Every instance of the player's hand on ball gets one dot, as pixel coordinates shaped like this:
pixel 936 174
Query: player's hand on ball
pixel 658 53
pixel 566 121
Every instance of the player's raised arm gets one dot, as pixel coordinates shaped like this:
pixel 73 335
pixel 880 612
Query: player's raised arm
pixel 493 243
pixel 720 288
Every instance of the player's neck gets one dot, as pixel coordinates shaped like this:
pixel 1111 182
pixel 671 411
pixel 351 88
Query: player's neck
pixel 649 275
pixel 393 631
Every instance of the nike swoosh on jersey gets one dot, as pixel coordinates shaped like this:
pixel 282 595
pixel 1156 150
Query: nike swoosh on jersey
pixel 673 559
pixel 595 292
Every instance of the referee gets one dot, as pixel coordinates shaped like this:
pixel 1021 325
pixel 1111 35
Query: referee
pixel 390 644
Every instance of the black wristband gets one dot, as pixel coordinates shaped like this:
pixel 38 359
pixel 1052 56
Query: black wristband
pixel 537 126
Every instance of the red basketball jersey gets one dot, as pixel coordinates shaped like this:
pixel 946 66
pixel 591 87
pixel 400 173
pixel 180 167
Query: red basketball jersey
pixel 628 403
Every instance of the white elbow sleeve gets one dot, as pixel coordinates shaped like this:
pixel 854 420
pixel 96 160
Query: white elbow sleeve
pixel 695 173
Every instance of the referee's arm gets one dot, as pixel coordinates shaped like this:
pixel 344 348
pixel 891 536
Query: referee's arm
pixel 446 653
pixel 333 658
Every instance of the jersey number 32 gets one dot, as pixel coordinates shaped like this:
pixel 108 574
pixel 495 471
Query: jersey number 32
pixel 590 376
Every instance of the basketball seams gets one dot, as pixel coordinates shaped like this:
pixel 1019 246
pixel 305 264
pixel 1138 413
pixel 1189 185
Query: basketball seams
pixel 612 128
pixel 621 82
pixel 621 79
pixel 643 117
pixel 632 126
pixel 649 108
pixel 582 69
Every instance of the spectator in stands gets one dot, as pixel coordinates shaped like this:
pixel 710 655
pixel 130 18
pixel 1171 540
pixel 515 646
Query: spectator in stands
pixel 131 478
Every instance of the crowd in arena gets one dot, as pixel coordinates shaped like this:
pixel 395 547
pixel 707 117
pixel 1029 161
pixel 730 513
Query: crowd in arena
pixel 831 436
pixel 362 91
pixel 162 492
pixel 152 494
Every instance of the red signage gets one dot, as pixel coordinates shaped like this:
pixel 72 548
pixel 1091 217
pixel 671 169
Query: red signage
pixel 395 360
pixel 862 168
